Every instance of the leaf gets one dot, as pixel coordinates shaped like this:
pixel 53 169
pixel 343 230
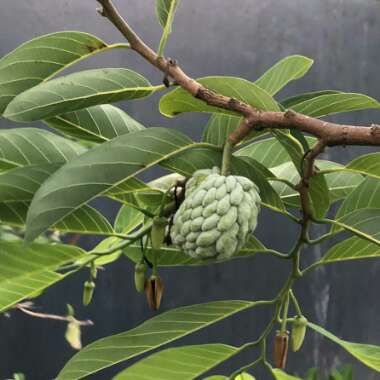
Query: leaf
pixel 43 57
pixel 27 270
pixel 220 126
pixel 367 354
pixel 170 256
pixel 290 102
pixel 98 171
pixel 283 72
pixel 281 375
pixel 363 223
pixel 150 335
pixel 368 164
pixel 98 123
pixel 178 100
pixel 185 363
pixel 77 91
pixel 335 103
pixel 353 248
pixel 165 10
pixel 127 219
pixel 17 188
pixel 339 184
pixel 31 146
pixel 269 152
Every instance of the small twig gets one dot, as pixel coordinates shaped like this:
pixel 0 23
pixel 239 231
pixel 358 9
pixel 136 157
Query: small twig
pixel 25 308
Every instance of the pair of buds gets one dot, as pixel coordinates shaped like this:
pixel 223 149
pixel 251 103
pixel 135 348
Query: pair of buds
pixel 281 341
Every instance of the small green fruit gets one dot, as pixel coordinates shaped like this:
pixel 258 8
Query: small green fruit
pixel 88 292
pixel 158 232
pixel 298 332
pixel 140 271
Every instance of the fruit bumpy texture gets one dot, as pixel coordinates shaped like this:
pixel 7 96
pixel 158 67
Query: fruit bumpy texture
pixel 217 216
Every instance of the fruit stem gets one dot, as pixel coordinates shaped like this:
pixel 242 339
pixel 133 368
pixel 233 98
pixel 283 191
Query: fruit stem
pixel 226 160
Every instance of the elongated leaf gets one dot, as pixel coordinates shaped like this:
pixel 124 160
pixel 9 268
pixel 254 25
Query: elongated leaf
pixel 363 223
pixel 77 91
pixel 366 353
pixel 17 188
pixel 152 334
pixel 366 195
pixel 25 271
pixel 178 100
pixel 368 165
pixel 335 103
pixel 283 72
pixel 185 363
pixel 42 58
pixel 97 123
pixel 170 256
pixel 339 184
pixel 127 219
pixel 269 152
pixel 220 126
pixel 201 158
pixel 281 375
pixel 290 102
pixel 165 10
pixel 31 146
pixel 98 171
pixel 353 248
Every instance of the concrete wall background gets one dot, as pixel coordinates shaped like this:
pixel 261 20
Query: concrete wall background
pixel 215 37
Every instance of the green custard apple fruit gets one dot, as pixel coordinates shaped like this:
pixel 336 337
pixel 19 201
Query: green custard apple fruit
pixel 217 216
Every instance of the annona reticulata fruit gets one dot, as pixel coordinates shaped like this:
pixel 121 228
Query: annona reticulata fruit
pixel 217 216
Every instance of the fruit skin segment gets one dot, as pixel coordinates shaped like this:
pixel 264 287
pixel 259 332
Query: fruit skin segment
pixel 217 215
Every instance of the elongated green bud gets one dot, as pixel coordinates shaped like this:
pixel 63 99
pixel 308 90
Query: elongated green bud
pixel 158 232
pixel 298 332
pixel 140 271
pixel 88 292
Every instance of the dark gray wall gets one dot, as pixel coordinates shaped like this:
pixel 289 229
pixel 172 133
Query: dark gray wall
pixel 242 38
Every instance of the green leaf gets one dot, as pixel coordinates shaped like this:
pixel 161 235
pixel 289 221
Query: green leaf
pixel 339 184
pixel 363 223
pixel 43 57
pixel 367 354
pixel 77 91
pixel 31 146
pixel 98 171
pixel 281 375
pixel 185 363
pixel 27 270
pixel 220 126
pixel 170 256
pixel 290 102
pixel 269 152
pixel 178 100
pixel 165 10
pixel 152 334
pixel 353 248
pixel 368 164
pixel 127 219
pixel 283 72
pixel 335 103
pixel 97 123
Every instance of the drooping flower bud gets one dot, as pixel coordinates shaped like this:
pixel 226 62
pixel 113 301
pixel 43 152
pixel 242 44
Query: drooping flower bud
pixel 140 271
pixel 158 232
pixel 88 292
pixel 280 349
pixel 154 288
pixel 298 332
